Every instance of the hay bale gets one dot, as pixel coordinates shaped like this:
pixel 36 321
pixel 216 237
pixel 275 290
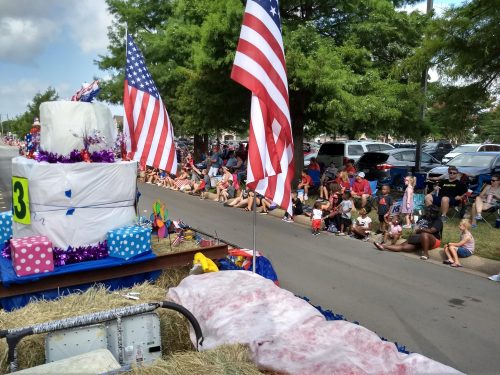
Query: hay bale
pixel 162 246
pixel 174 327
pixel 172 276
pixel 227 359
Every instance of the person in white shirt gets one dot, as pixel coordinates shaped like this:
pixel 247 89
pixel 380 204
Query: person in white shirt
pixel 345 208
pixel 316 218
pixel 362 226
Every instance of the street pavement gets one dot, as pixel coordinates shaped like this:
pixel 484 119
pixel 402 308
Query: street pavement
pixel 446 314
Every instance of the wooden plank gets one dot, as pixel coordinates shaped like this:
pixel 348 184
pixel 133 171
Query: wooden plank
pixel 91 276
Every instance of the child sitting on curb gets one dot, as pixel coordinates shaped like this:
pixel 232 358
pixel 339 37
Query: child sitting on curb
pixel 394 229
pixel 363 225
pixel 462 249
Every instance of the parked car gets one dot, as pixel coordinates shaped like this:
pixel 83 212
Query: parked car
pixel 472 164
pixel 338 150
pixel 437 149
pixel 472 147
pixel 308 157
pixel 378 165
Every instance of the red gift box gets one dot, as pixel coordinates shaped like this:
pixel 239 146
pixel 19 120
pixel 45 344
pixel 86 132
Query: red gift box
pixel 31 255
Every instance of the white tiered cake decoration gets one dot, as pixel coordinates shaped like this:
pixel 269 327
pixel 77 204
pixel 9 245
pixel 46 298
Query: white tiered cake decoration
pixel 76 204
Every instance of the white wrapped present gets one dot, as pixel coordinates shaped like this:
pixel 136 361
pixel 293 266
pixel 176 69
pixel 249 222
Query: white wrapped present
pixel 62 120
pixel 76 204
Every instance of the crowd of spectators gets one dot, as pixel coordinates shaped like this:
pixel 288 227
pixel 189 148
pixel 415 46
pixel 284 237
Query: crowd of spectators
pixel 345 199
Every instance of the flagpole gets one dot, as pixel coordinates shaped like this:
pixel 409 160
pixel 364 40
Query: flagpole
pixel 254 208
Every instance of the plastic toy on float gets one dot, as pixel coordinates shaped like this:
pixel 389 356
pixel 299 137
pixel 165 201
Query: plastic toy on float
pixel 69 191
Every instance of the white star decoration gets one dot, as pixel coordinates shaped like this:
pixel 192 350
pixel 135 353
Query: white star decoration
pixel 273 11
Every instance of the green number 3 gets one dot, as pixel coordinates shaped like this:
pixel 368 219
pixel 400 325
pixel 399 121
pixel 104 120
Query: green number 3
pixel 19 204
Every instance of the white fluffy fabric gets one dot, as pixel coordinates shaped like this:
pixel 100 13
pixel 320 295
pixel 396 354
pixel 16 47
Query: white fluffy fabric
pixel 60 119
pixel 102 194
pixel 285 333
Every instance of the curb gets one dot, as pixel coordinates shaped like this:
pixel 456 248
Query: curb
pixel 483 265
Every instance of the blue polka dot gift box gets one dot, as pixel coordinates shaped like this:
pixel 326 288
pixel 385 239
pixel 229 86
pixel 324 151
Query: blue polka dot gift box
pixel 5 228
pixel 128 242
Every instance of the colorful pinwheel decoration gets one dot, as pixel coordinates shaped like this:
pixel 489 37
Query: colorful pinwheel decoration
pixel 159 219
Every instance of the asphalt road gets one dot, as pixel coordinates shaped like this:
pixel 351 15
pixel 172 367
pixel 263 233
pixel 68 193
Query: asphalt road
pixel 446 314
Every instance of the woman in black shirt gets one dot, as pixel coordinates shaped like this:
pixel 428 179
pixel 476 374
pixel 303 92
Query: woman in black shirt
pixel 427 236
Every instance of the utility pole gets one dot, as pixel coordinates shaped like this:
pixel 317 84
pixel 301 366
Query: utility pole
pixel 423 87
pixel 1 123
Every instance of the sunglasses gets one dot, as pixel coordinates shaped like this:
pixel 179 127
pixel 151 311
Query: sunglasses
pixel 495 180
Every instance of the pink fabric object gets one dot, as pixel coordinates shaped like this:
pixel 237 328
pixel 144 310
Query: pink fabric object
pixel 285 333
pixel 31 255
pixel 239 306
pixel 338 347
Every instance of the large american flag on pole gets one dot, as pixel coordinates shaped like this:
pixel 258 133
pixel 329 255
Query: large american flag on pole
pixel 147 127
pixel 259 65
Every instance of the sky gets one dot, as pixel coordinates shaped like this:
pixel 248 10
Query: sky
pixel 54 43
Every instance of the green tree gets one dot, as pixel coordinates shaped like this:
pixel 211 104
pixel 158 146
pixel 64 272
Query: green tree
pixel 341 73
pixel 22 123
pixel 464 46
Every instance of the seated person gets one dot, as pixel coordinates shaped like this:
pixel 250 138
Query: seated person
pixel 362 226
pixel 305 183
pixel 461 249
pixel 394 229
pixel 450 192
pixel 349 167
pixel 487 198
pixel 361 190
pixel 202 185
pixel 296 208
pixel 313 165
pixel 258 200
pixel 151 175
pixel 327 178
pixel 427 235
pixel 343 221
pixel 240 201
pixel 223 183
pixel 229 192
pixel 232 162
pixel 343 181
pixel 267 205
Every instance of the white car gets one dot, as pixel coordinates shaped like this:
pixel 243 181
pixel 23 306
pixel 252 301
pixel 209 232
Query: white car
pixel 308 157
pixel 471 147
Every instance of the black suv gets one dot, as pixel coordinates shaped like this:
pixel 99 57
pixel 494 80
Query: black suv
pixel 437 149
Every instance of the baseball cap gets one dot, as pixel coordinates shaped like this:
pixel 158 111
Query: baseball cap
pixel 361 174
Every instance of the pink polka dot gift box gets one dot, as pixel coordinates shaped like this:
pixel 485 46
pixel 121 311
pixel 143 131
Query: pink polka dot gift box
pixel 31 255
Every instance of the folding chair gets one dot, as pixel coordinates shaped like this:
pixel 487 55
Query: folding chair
pixel 315 175
pixel 418 204
pixel 373 199
pixel 420 181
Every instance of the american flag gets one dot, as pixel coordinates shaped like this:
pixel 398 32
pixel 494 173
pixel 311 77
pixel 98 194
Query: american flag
pixel 147 127
pixel 259 65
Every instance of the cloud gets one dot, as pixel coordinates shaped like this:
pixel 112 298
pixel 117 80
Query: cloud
pixel 16 96
pixel 22 39
pixel 89 25
pixel 27 26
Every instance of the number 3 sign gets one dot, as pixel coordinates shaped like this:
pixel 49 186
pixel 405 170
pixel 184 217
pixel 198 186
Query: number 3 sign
pixel 20 200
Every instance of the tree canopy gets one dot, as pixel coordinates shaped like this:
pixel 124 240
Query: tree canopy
pixel 342 59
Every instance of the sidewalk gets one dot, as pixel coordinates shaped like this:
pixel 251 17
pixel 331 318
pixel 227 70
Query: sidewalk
pixel 483 266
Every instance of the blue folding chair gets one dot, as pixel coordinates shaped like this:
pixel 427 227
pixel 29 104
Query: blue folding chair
pixel 315 175
pixel 373 198
pixel 418 203
pixel 420 181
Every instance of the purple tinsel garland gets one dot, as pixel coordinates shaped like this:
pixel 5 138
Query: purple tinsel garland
pixel 72 255
pixel 75 156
